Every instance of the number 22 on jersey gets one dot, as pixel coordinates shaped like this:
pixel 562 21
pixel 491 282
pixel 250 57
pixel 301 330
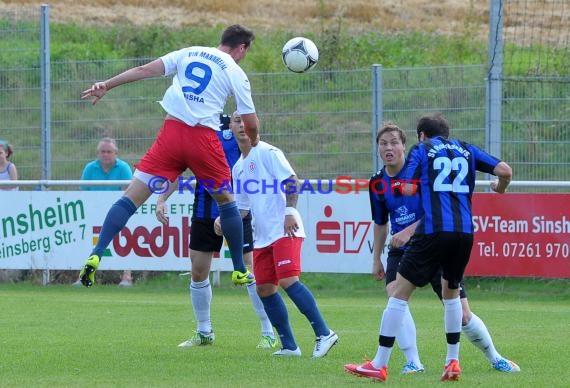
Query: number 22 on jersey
pixel 445 166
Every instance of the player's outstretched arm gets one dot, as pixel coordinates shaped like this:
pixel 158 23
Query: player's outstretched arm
pixel 99 89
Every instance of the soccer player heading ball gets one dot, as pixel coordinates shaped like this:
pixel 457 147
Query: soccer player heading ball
pixel 203 79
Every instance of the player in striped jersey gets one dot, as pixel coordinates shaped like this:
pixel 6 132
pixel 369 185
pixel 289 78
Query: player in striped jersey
pixel 445 169
pixel 387 203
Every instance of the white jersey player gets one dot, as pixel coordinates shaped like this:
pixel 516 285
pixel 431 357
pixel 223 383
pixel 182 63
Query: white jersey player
pixel 270 187
pixel 203 78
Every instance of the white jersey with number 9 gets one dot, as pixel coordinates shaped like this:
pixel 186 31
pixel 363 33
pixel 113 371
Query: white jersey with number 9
pixel 204 78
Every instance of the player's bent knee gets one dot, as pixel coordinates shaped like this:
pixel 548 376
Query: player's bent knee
pixel 138 192
pixel 265 290
pixel 223 197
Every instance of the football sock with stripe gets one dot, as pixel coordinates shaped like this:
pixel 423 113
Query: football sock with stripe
pixel 390 325
pixel 452 317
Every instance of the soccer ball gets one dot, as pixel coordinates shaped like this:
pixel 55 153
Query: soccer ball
pixel 300 54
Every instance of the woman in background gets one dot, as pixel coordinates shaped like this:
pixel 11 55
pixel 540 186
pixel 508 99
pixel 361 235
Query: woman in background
pixel 8 171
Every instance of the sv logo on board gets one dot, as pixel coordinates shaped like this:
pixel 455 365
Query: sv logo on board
pixel 341 237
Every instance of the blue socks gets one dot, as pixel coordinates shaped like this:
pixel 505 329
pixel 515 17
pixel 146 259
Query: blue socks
pixel 307 305
pixel 277 312
pixel 232 227
pixel 116 219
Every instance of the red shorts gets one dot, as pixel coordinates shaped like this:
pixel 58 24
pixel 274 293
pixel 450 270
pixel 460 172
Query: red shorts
pixel 280 260
pixel 179 146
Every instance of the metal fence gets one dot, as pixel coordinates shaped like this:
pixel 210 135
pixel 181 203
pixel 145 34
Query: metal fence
pixel 535 123
pixel 324 121
pixel 20 109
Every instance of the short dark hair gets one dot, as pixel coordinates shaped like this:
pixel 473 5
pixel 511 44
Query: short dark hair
pixel 389 126
pixel 433 125
pixel 235 35
pixel 7 148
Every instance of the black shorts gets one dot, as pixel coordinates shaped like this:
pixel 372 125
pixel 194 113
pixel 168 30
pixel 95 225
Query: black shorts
pixel 392 264
pixel 204 239
pixel 427 254
pixel 436 286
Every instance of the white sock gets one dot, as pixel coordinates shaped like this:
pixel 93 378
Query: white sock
pixel 452 316
pixel 201 296
pixel 266 327
pixel 477 333
pixel 406 339
pixel 391 323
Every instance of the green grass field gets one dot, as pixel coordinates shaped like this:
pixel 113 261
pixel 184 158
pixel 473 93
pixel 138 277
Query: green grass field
pixel 59 336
